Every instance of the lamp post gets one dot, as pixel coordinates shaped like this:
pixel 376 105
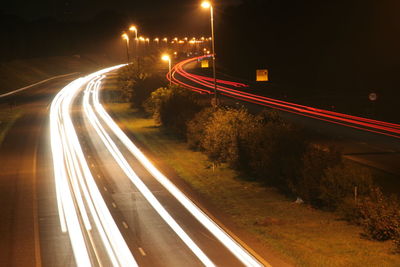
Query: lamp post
pixel 126 38
pixel 168 58
pixel 133 28
pixel 207 4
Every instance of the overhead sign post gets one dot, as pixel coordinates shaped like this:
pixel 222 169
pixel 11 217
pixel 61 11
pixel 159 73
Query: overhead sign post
pixel 262 76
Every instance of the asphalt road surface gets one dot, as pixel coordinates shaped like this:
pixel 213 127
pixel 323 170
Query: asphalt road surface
pixel 75 192
pixel 28 218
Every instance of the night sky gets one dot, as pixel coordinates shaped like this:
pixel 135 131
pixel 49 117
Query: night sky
pixel 329 47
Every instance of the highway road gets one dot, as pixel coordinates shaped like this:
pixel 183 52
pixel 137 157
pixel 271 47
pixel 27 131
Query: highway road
pixel 369 142
pixel 116 207
pixel 77 192
pixel 26 204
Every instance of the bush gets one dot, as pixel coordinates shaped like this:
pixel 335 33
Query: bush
pixel 225 136
pixel 173 107
pixel 380 216
pixel 275 153
pixel 196 128
pixel 339 182
pixel 135 82
pixel 316 160
pixel 143 90
pixel 153 104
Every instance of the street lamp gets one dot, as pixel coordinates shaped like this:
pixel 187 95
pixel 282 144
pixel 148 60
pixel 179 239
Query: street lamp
pixel 134 29
pixel 208 5
pixel 168 58
pixel 126 38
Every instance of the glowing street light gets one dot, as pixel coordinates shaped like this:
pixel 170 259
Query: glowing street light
pixel 208 5
pixel 126 38
pixel 133 28
pixel 168 58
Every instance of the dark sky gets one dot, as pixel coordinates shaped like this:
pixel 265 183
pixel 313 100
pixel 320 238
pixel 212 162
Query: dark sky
pixel 153 17
pixel 81 9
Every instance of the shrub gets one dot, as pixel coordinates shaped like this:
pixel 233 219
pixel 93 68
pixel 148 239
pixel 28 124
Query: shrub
pixel 196 128
pixel 153 104
pixel 135 82
pixel 172 107
pixel 339 182
pixel 143 89
pixel 275 152
pixel 225 134
pixel 380 216
pixel 316 160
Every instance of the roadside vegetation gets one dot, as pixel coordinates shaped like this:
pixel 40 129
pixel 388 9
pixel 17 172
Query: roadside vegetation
pixel 304 200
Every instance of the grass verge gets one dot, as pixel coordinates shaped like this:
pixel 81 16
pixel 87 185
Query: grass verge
pixel 302 235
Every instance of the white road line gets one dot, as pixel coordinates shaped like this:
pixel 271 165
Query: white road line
pixel 142 251
pixel 114 205
pixel 125 224
pixel 38 83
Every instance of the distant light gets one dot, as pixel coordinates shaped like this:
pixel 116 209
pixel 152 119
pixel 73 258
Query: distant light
pixel 206 4
pixel 125 36
pixel 166 58
pixel 133 28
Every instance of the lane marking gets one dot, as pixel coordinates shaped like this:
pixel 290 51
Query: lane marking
pixel 105 188
pixel 125 224
pixel 142 251
pixel 38 83
pixel 114 205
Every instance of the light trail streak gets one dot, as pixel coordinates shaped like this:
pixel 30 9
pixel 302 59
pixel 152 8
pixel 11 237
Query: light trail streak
pixel 237 250
pixel 82 210
pixel 365 124
pixel 123 163
pixel 78 198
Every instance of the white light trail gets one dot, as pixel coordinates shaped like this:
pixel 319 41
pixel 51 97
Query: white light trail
pixel 78 198
pixel 242 254
pixel 123 163
pixel 81 206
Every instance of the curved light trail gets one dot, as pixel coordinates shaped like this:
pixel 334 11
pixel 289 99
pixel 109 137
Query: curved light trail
pixel 203 84
pixel 84 215
pixel 80 204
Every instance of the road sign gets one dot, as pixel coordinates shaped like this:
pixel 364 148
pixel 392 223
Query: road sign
pixel 262 75
pixel 373 96
pixel 204 64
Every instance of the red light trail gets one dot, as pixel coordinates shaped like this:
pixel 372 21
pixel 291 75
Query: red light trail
pixel 205 84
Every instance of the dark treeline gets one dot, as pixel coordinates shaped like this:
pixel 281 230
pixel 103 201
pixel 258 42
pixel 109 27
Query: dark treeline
pixel 51 36
pixel 315 47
